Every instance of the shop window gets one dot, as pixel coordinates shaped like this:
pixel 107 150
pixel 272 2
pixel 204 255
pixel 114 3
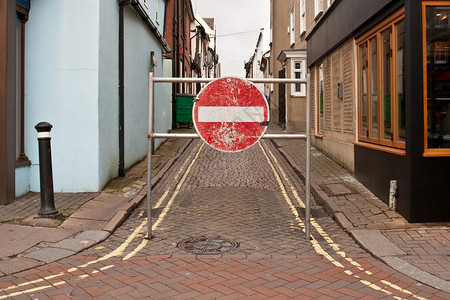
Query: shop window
pixel 381 84
pixel 436 31
pixel 319 100
pixel 298 72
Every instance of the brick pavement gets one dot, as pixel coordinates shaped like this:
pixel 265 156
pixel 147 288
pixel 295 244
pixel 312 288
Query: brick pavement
pixel 427 245
pixel 29 205
pixel 273 259
pixel 187 277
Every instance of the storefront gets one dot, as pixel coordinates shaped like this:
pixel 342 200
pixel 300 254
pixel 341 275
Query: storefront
pixel 401 79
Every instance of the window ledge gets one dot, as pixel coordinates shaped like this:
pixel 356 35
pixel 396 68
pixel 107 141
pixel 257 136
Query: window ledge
pixel 319 14
pixel 318 135
pixel 395 151
pixel 298 95
pixel 436 153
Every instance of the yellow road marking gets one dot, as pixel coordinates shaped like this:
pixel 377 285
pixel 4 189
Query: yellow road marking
pixel 117 252
pixel 317 247
pixel 168 205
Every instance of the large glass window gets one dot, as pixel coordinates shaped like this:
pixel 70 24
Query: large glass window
pixel 363 63
pixel 374 86
pixel 437 77
pixel 381 84
pixel 400 81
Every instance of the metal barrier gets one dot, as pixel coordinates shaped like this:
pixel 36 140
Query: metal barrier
pixel 152 135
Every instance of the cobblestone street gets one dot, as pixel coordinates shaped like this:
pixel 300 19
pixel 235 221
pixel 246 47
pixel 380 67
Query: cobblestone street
pixel 244 215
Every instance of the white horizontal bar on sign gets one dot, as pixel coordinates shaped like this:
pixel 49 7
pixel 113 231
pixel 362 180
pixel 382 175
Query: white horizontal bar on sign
pixel 196 136
pixel 231 114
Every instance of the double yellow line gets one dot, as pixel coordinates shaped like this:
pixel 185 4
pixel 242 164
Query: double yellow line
pixel 121 249
pixel 315 244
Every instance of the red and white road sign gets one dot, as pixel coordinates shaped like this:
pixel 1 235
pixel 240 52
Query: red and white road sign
pixel 230 114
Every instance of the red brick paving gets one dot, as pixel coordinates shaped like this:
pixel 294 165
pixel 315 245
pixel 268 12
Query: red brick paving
pixel 174 278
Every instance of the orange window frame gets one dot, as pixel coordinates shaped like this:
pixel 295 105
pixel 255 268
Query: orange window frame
pixel 428 152
pixel 389 22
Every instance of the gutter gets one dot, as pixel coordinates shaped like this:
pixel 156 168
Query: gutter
pixel 143 14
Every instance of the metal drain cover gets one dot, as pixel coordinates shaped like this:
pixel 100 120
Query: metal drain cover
pixel 207 245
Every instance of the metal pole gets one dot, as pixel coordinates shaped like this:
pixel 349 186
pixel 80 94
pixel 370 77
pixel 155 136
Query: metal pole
pixel 149 155
pixel 196 136
pixel 308 158
pixel 206 80
pixel 48 209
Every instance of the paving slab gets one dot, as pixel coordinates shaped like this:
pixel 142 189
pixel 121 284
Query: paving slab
pixel 74 244
pixel 416 273
pixel 49 254
pixel 376 243
pixel 18 264
pixel 17 238
pixel 76 225
pixel 93 235
pixel 102 208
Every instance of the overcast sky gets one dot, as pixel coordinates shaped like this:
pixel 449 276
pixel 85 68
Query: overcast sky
pixel 238 23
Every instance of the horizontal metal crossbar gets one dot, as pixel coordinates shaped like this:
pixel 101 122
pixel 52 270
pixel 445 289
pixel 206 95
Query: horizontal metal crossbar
pixel 206 80
pixel 152 80
pixel 196 136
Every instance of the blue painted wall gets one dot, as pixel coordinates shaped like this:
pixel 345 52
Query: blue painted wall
pixel 62 87
pixel 139 42
pixel 71 81
pixel 108 100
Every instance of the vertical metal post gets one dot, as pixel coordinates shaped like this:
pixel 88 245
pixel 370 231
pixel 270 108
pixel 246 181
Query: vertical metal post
pixel 308 158
pixel 149 155
pixel 48 209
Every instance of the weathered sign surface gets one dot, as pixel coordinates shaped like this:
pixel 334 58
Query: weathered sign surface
pixel 230 114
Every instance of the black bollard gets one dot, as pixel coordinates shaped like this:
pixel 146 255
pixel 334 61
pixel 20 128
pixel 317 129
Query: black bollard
pixel 48 209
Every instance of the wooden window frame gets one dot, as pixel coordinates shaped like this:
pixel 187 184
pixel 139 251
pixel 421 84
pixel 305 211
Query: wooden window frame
pixel 429 152
pixel 389 22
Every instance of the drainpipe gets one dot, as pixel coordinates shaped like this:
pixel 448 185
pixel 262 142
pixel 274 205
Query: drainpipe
pixel 183 42
pixel 174 62
pixel 122 89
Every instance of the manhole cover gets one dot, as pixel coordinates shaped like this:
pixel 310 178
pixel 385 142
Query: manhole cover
pixel 207 245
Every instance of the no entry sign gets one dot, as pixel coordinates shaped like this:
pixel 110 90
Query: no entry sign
pixel 230 114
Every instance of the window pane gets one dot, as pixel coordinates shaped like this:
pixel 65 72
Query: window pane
pixel 438 76
pixel 400 81
pixel 386 83
pixel 298 86
pixel 363 85
pixel 374 86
